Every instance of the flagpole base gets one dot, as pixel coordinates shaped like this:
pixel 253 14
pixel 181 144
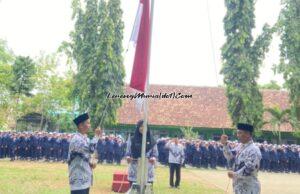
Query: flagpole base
pixel 136 189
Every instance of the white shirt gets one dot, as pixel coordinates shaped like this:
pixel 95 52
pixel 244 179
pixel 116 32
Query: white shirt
pixel 176 153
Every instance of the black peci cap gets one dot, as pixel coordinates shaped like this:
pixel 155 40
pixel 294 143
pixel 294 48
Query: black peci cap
pixel 245 127
pixel 81 118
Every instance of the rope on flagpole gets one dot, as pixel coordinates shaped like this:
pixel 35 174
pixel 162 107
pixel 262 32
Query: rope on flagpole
pixel 215 65
pixel 212 42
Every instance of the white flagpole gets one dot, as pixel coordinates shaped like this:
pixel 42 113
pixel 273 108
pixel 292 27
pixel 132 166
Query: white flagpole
pixel 144 171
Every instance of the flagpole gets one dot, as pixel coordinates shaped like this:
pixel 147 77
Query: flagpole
pixel 144 172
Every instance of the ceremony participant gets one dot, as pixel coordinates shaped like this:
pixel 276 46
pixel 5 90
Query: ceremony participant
pixel 94 142
pixel 101 150
pixel 213 157
pixel 245 163
pixel 134 152
pixel 176 159
pixel 197 155
pixel 79 158
pixel 118 152
pixel 65 148
pixel 39 143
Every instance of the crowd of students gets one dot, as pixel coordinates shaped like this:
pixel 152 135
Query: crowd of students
pixel 111 149
pixel 209 154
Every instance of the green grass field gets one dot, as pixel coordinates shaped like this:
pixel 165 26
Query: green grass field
pixel 45 178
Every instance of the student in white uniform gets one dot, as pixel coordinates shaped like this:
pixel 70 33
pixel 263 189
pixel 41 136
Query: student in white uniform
pixel 176 159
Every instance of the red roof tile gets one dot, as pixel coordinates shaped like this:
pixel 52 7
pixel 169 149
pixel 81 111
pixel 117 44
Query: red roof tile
pixel 206 108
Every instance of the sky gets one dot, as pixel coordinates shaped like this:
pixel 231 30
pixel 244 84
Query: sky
pixel 183 49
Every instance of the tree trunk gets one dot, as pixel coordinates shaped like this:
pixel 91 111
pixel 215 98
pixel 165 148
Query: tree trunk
pixel 42 118
pixel 58 124
pixel 279 134
pixel 41 123
pixel 17 112
pixel 298 109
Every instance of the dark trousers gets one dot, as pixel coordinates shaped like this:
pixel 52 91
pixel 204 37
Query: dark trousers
pixel 265 164
pixel 213 162
pixel 101 157
pixel 273 166
pixel 83 191
pixel 109 157
pixel 175 168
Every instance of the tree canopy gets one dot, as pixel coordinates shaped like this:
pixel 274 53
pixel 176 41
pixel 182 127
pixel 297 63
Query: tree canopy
pixel 97 50
pixel 289 30
pixel 242 56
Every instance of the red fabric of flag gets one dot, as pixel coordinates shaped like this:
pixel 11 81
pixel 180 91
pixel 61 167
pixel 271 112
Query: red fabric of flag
pixel 140 66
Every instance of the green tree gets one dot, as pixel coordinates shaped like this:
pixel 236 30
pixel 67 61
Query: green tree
pixel 23 71
pixel 242 57
pixel 188 133
pixel 97 48
pixel 53 98
pixel 6 58
pixel 273 85
pixel 278 118
pixel 115 13
pixel 289 29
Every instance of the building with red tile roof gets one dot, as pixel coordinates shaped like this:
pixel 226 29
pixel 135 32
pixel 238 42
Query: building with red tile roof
pixel 206 108
pixel 203 108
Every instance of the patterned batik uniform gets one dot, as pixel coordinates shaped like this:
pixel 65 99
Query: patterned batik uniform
pixel 176 153
pixel 80 172
pixel 133 166
pixel 245 166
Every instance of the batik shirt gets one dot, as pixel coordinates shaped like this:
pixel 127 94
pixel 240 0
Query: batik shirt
pixel 176 153
pixel 133 166
pixel 80 172
pixel 245 166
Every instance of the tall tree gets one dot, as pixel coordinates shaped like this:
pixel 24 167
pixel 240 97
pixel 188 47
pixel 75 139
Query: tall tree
pixel 53 93
pixel 97 49
pixel 115 13
pixel 117 72
pixel 289 29
pixel 6 58
pixel 23 83
pixel 23 71
pixel 242 57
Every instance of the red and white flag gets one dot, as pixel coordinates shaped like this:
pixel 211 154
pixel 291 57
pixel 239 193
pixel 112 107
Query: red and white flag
pixel 141 37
